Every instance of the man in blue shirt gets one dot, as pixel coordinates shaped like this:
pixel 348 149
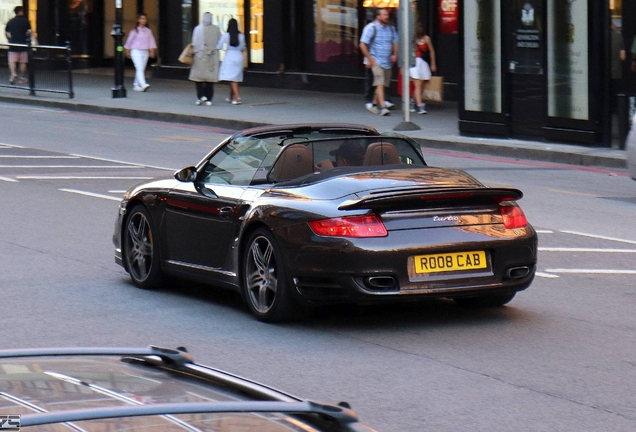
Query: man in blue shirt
pixel 379 46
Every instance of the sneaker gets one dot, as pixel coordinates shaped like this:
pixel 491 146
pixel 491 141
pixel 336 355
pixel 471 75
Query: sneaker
pixel 228 100
pixel 373 109
pixel 200 101
pixel 145 87
pixel 21 80
pixel 421 109
pixel 208 103
pixel 12 80
pixel 389 104
pixel 385 112
pixel 138 88
pixel 236 101
pixel 412 106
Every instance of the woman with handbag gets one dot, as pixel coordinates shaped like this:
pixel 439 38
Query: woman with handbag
pixel 205 61
pixel 424 64
pixel 139 46
pixel 233 41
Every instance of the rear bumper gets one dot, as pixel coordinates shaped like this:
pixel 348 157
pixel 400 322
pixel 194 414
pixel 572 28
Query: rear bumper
pixel 329 270
pixel 323 290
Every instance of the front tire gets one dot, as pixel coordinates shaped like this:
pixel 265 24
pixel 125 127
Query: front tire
pixel 141 250
pixel 485 301
pixel 265 284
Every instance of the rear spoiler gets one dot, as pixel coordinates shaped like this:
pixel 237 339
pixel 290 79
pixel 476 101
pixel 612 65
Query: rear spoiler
pixel 394 198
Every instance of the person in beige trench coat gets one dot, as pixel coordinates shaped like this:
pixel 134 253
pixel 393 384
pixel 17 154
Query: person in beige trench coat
pixel 205 63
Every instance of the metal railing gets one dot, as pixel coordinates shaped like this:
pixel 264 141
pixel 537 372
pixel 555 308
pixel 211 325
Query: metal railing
pixel 49 69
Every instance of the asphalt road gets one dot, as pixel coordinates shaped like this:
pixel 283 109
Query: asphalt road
pixel 560 357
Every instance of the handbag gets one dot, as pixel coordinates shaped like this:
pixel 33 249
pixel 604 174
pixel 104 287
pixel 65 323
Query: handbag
pixel 186 55
pixel 434 89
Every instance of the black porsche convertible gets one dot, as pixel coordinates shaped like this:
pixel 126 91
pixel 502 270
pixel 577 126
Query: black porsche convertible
pixel 294 216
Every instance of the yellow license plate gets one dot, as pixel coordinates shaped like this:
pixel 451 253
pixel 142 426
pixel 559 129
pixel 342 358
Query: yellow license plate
pixel 450 262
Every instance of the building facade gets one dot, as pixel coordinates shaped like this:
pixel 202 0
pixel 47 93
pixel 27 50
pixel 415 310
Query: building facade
pixel 518 68
pixel 309 44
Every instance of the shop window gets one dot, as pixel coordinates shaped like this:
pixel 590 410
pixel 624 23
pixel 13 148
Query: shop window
pixel 568 57
pixel 222 12
pixel 256 31
pixel 186 22
pixel 6 13
pixel 381 3
pixel 336 31
pixel 130 9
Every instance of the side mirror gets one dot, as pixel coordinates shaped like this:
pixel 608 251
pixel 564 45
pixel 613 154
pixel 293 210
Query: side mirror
pixel 186 175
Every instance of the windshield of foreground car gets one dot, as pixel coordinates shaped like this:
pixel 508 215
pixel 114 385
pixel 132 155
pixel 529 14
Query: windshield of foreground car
pixel 250 161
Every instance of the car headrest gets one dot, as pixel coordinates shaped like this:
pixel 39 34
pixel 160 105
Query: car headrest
pixel 294 161
pixel 381 153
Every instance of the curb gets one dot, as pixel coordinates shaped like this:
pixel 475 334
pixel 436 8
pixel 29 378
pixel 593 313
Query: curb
pixel 491 149
pixel 514 152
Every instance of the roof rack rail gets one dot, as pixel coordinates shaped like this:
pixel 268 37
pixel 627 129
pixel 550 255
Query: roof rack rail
pixel 338 413
pixel 177 356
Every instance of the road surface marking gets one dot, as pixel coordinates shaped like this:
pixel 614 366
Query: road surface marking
pixel 125 163
pixel 573 193
pixel 591 271
pixel 90 194
pixel 117 191
pixel 546 275
pixel 544 231
pixel 7 179
pixel 179 138
pixel 37 157
pixel 71 166
pixel 166 140
pixel 105 133
pixel 54 111
pixel 598 237
pixel 566 249
pixel 5 145
pixel 81 178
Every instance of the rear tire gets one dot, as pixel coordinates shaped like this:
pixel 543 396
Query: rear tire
pixel 484 301
pixel 265 285
pixel 141 250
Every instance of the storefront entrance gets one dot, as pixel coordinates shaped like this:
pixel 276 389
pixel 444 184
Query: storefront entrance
pixel 525 72
pixel 536 69
pixel 130 9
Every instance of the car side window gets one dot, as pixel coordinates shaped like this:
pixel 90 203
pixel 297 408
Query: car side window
pixel 241 162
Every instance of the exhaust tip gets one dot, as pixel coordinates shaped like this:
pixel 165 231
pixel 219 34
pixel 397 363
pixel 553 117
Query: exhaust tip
pixel 517 272
pixel 381 283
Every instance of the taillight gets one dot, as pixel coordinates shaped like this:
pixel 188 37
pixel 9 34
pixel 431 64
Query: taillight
pixel 512 215
pixel 350 226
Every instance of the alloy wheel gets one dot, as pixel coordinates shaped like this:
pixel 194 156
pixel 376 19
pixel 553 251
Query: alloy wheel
pixel 139 253
pixel 261 274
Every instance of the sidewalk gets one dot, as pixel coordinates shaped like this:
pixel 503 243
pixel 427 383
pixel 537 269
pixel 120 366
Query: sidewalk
pixel 173 101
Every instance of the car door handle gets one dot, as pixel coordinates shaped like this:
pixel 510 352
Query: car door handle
pixel 225 211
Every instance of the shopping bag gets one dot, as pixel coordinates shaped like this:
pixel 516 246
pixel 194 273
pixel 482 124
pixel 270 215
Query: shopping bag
pixel 186 55
pixel 434 89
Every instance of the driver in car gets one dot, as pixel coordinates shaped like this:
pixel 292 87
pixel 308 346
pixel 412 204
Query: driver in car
pixel 350 153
